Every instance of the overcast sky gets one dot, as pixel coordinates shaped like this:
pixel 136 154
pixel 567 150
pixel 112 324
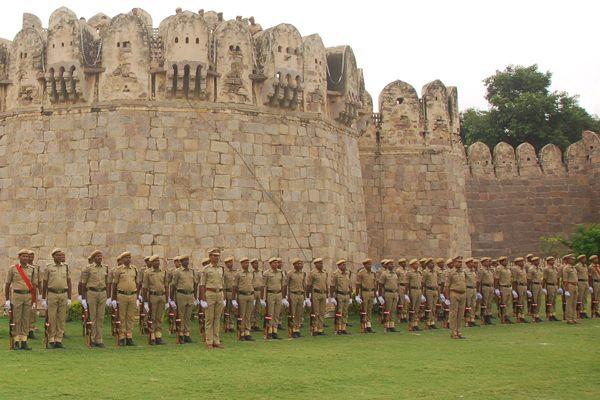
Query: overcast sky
pixel 460 42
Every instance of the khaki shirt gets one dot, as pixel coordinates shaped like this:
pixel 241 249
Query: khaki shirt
pixel 257 279
pixel 365 279
pixel 212 277
pixel 535 274
pixel 341 282
pixel 184 279
pixel 486 276
pixel 244 281
pixel 441 275
pixel 389 280
pixel 520 276
pixel 551 275
pixel 109 276
pixel 430 279
pixel 229 278
pixel 317 281
pixel 14 278
pixel 273 280
pixel 456 281
pixel 141 271
pixel 296 282
pixel 38 275
pixel 401 274
pixel 504 276
pixel 570 274
pixel 595 273
pixel 170 273
pixel 57 275
pixel 94 276
pixel 125 277
pixel 471 278
pixel 414 280
pixel 154 280
pixel 582 271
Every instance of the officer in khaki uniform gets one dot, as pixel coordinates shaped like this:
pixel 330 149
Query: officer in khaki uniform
pixel 257 283
pixel 430 288
pixel 550 286
pixel 440 270
pixel 183 290
pixel 535 276
pixel 317 286
pixel 212 299
pixel 20 299
pixel 38 285
pixel 341 289
pixel 273 296
pixel 594 274
pixel 156 294
pixel 570 287
pixel 388 291
pixel 520 288
pixel 243 289
pixel 447 271
pixel 503 285
pixel 57 297
pixel 298 295
pixel 125 292
pixel 94 294
pixel 582 286
pixel 402 292
pixel 456 288
pixel 229 311
pixel 413 282
pixel 365 292
pixel 471 293
pixel 485 284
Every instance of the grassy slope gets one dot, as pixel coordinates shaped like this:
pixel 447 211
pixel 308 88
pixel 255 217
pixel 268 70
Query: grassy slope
pixel 550 361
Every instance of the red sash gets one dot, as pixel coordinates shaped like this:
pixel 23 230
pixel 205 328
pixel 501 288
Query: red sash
pixel 26 280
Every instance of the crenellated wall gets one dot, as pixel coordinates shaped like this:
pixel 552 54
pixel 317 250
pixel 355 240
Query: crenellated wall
pixel 516 196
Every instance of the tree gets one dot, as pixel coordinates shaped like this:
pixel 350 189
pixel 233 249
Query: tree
pixel 585 240
pixel 522 109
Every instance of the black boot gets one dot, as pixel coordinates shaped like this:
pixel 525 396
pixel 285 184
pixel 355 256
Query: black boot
pixel 393 329
pixel 24 345
pixel 129 342
pixel 187 339
pixel 100 345
pixel 181 340
pixel 584 315
pixel 58 345
pixel 159 341
pixel 248 338
pixel 16 346
pixel 122 342
pixel 274 336
pixel 31 335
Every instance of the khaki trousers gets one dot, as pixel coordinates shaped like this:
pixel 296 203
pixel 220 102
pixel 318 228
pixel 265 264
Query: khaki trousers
pixel 213 312
pixel 415 302
pixel 297 310
pixel 127 311
pixel 57 316
pixel 550 300
pixel 403 303
pixel 470 304
pixel 157 309
pixel 368 297
pixel 391 302
pixel 582 291
pixel 256 320
pixel 536 300
pixel 457 307
pixel 521 301
pixel 21 306
pixel 431 297
pixel 184 302
pixel 319 302
pixel 246 307
pixel 343 302
pixel 274 307
pixel 571 308
pixel 97 305
pixel 229 309
pixel 487 300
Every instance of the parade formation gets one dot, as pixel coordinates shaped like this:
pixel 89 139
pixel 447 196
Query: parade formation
pixel 419 292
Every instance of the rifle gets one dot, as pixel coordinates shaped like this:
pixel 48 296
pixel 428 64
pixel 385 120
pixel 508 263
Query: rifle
pixel 87 326
pixel 117 324
pixel 11 325
pixel 564 305
pixel 46 328
pixel 149 323
pixel 142 316
pixel 226 317
pixel 399 309
pixel 238 324
pixel 177 326
pixel 266 321
pixel 201 327
pixel 363 316
pixel 290 322
pixel 313 318
pixel 337 325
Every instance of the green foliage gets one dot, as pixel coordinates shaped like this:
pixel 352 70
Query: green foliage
pixel 522 109
pixel 585 240
pixel 74 312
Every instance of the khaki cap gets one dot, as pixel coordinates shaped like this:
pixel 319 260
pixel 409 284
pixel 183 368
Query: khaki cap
pixel 340 261
pixel 534 258
pixel 529 255
pixel 402 260
pixel 366 261
pixel 295 260
pixel 244 259
pixel 184 257
pixel 518 259
pixel 503 258
pixel 94 254
pixel 147 258
pixel 423 260
pixel 468 260
pixel 318 259
pixel 485 259
pixel 457 258
pixel 272 259
pixel 214 251
pixel 279 259
pixel 581 257
pixel 122 255
pixel 177 258
pixel 449 261
pixel 31 252
pixel 205 261
pixel 593 257
pixel 56 250
pixel 23 251
pixel 228 259
pixel 153 258
pixel 413 261
pixel 254 260
pixel 549 258
pixel 570 255
pixel 439 260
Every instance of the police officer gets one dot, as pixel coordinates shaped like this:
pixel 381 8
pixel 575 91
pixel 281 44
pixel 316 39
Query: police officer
pixel 455 294
pixel 124 296
pixel 550 287
pixel 503 289
pixel 341 288
pixel 594 281
pixel 317 287
pixel 582 285
pixel 274 296
pixel 570 287
pixel 257 283
pixel 183 290
pixel 535 275
pixel 430 288
pixel 520 291
pixel 471 293
pixel 94 294
pixel 298 295
pixel 413 282
pixel 365 292
pixel 229 311
pixel 244 293
pixel 20 294
pixel 486 288
pixel 38 285
pixel 212 283
pixel 402 292
pixel 56 296
pixel 156 295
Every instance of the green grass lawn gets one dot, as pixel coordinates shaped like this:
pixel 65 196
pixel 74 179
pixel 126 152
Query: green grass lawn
pixel 534 361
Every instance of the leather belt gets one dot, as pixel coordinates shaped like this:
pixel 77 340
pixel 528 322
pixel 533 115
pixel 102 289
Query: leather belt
pixel 297 292
pixel 343 293
pixel 430 288
pixel 535 283
pixel 318 291
pixel 156 293
pixel 126 292
pixel 415 287
pixel 582 280
pixel 257 289
pixel 21 291
pixel 505 286
pixel 95 289
pixel 274 291
pixel 245 293
pixel 57 291
pixel 390 290
pixel 180 291
pixel 214 290
pixel 550 284
pixel 596 280
pixel 486 285
pixel 521 284
pixel 365 288
pixel 402 284
pixel 470 287
pixel 228 290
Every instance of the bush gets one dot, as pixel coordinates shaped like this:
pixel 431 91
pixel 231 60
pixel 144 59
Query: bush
pixel 585 240
pixel 74 312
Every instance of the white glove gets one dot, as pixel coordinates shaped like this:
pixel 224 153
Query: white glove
pixel 333 301
pixel 515 295
pixel 224 303
pixel 263 303
pixel 45 304
pixel 284 302
pixel 406 298
pixel 79 298
pixel 442 297
pixel 567 294
pixel 203 304
pixel 173 304
pixel 137 302
pixel 7 304
pixel 196 302
pixel 68 302
pixel 113 303
pixel 146 306
pixel 166 306
pixel 591 289
pixel 381 300
pixel 140 298
pixel 234 303
pixel 529 294
pixel 479 296
pixel 350 301
pixel 84 304
pixel 497 292
pixel 108 302
pixel 447 302
pixel 375 300
pixel 307 303
pixel 559 291
pixel 545 291
pixel 423 299
pixel 358 299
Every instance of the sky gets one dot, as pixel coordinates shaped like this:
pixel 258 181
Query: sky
pixel 457 41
